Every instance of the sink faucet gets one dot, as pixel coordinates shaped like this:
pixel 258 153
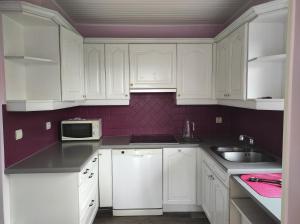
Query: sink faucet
pixel 247 140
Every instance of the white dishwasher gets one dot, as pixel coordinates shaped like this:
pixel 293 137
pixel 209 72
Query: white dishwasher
pixel 137 182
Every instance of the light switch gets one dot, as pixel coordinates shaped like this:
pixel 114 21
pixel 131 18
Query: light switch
pixel 48 125
pixel 19 134
pixel 219 120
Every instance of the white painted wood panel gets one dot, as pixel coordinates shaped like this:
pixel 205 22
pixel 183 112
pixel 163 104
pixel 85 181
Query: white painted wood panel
pixel 152 66
pixel 194 71
pixel 94 66
pixel 207 192
pixel 238 63
pixel 72 71
pixel 117 71
pixel 179 175
pixel 105 178
pixel 222 69
pixel 221 202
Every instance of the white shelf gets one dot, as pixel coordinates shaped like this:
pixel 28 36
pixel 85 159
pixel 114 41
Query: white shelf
pixel 256 104
pixel 250 211
pixel 270 58
pixel 39 105
pixel 28 59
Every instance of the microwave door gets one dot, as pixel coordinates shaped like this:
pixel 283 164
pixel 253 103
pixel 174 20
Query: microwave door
pixel 77 131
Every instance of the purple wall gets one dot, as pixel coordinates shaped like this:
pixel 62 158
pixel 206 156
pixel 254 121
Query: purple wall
pixel 157 114
pixel 147 114
pixel 265 126
pixel 35 136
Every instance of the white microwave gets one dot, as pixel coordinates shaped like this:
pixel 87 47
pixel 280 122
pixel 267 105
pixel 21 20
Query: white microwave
pixel 81 130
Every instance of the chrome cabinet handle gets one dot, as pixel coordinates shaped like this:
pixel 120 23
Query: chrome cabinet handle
pixel 86 171
pixel 94 160
pixel 92 203
pixel 92 174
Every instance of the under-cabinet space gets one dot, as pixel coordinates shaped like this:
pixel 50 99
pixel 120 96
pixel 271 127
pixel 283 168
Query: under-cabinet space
pixel 32 68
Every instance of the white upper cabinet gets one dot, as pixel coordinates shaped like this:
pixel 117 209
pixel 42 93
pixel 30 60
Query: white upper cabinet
pixel 238 63
pixel 72 72
pixel 117 71
pixel 94 67
pixel 194 72
pixel 231 65
pixel 222 69
pixel 152 66
pixel 179 175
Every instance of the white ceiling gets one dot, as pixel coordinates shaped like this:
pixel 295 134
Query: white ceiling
pixel 151 11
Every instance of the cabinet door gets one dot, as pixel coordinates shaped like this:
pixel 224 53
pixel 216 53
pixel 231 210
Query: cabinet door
pixel 153 66
pixel 105 178
pixel 72 76
pixel 194 71
pixel 221 202
pixel 117 71
pixel 94 62
pixel 199 177
pixel 207 192
pixel 222 69
pixel 238 61
pixel 179 176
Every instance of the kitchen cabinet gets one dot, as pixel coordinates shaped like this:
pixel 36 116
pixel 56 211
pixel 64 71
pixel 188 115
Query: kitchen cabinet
pixel 117 71
pixel 194 73
pixel 207 192
pixel 215 192
pixel 94 61
pixel 106 74
pixel 152 66
pixel 231 65
pixel 179 174
pixel 72 71
pixel 55 197
pixel 105 178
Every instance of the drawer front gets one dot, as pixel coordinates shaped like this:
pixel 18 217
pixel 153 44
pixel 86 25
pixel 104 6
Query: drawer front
pixel 90 208
pixel 87 170
pixel 85 188
pixel 217 170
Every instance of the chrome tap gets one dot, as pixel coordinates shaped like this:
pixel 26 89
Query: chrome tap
pixel 247 141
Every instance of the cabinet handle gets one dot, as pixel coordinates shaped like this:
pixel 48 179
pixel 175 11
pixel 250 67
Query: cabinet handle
pixel 179 150
pixel 92 203
pixel 92 174
pixel 94 160
pixel 126 95
pixel 86 171
pixel 178 95
pixel 131 84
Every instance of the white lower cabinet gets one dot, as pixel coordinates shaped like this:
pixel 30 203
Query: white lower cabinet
pixel 180 179
pixel 215 192
pixel 60 198
pixel 105 178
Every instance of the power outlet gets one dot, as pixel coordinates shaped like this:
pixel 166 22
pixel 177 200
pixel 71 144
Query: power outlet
pixel 48 125
pixel 219 120
pixel 18 134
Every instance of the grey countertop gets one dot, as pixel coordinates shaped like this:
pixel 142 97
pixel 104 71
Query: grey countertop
pixel 72 156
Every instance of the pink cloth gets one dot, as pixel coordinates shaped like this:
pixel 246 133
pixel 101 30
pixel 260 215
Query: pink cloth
pixel 264 189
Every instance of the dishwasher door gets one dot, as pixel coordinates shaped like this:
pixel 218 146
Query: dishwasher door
pixel 137 179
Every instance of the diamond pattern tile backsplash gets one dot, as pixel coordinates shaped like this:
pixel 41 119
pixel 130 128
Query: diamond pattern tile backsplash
pixel 157 114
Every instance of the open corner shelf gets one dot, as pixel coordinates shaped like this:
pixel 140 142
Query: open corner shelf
pixel 29 59
pixel 269 58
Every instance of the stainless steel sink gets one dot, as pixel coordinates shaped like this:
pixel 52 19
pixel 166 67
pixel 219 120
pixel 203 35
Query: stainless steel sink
pixel 228 149
pixel 246 157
